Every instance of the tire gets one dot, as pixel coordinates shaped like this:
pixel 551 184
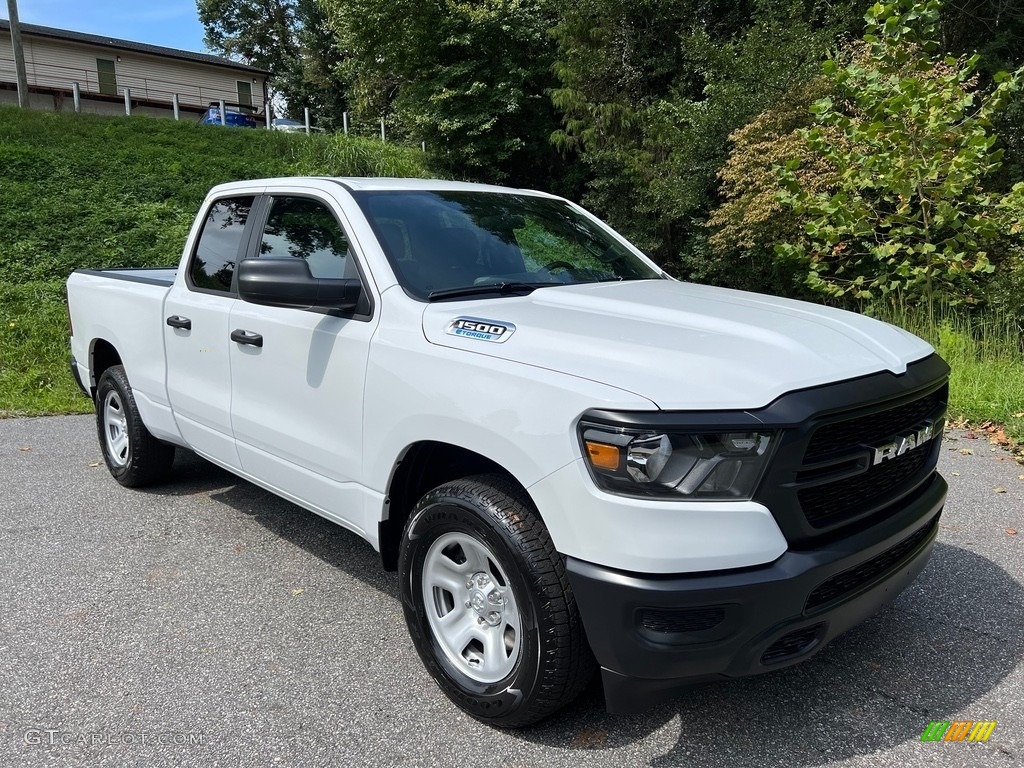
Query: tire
pixel 488 603
pixel 134 457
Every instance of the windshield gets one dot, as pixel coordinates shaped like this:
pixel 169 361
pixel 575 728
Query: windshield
pixel 438 242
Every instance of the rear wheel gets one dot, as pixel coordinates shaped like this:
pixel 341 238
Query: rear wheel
pixel 133 456
pixel 488 603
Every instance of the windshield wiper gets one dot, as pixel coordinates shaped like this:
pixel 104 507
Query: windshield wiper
pixel 502 289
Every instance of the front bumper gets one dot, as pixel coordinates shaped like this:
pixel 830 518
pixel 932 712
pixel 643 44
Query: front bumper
pixel 653 634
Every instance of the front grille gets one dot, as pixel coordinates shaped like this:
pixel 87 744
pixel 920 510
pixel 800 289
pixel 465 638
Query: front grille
pixel 824 505
pixel 793 644
pixel 846 582
pixel 838 446
pixel 822 484
pixel 676 620
pixel 875 427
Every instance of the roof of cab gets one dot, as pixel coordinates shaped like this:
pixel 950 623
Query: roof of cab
pixel 375 184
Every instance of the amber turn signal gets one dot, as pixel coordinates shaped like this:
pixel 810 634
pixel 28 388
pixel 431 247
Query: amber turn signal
pixel 604 456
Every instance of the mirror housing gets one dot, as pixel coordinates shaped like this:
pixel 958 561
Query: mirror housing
pixel 288 283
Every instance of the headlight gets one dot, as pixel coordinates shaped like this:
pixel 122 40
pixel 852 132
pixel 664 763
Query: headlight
pixel 677 464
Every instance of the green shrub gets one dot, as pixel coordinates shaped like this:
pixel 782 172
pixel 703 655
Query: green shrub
pixel 908 136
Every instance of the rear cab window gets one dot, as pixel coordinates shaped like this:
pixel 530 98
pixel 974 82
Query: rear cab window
pixel 220 244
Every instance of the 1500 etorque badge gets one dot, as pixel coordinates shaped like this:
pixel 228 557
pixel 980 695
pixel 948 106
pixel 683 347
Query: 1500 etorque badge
pixel 484 330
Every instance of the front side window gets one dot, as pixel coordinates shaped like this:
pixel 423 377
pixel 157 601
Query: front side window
pixel 302 228
pixel 213 262
pixel 442 242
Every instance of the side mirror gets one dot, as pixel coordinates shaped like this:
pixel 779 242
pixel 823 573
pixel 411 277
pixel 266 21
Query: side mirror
pixel 288 283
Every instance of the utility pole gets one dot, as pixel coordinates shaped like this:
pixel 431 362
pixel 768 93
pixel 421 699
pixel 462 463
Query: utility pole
pixel 19 53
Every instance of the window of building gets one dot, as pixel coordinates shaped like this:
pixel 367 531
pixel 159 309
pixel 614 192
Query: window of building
pixel 244 92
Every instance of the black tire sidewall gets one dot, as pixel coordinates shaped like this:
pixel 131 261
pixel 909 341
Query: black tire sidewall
pixel 490 701
pixel 111 381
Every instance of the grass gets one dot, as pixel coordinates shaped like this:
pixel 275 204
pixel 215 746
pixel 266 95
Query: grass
pixel 986 355
pixel 94 191
pixel 34 374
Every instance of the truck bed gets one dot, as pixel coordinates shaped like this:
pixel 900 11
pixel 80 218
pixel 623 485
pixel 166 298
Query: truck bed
pixel 123 310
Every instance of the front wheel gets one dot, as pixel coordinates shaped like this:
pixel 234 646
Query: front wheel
pixel 133 456
pixel 488 603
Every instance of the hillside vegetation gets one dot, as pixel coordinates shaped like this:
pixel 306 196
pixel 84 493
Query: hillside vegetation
pixel 91 191
pixel 88 191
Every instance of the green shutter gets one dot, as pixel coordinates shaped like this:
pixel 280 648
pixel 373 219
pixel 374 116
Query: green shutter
pixel 244 92
pixel 107 76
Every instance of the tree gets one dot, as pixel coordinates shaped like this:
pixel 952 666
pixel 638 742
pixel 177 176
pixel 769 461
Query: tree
pixel 617 61
pixel 751 219
pixel 288 38
pixel 907 135
pixel 651 90
pixel 260 32
pixel 993 28
pixel 751 214
pixel 469 78
pixel 313 77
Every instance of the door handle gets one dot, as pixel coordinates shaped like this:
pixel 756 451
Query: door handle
pixel 177 321
pixel 245 337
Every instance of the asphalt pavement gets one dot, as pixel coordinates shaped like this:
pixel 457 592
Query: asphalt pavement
pixel 208 623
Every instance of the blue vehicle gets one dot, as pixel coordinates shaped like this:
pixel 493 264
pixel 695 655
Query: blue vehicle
pixel 236 115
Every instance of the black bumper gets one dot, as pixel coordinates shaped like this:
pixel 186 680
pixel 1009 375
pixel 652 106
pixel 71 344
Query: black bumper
pixel 655 634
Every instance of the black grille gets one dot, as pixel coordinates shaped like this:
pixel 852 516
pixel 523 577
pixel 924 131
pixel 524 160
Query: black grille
pixel 682 619
pixel 875 427
pixel 845 443
pixel 843 583
pixel 792 644
pixel 824 505
pixel 821 484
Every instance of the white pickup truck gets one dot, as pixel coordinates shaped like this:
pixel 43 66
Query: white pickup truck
pixel 568 456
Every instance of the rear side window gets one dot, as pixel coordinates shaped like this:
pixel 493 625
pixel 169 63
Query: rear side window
pixel 213 263
pixel 302 228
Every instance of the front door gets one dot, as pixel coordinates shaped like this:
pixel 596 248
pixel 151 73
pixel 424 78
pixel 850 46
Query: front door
pixel 297 392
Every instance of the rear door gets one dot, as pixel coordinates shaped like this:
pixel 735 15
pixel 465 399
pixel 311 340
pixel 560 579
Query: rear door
pixel 196 331
pixel 297 392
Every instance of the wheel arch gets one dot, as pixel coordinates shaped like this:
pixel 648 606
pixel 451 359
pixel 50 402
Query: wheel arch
pixel 102 355
pixel 424 465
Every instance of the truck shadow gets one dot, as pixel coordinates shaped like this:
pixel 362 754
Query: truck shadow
pixel 945 643
pixel 950 639
pixel 322 538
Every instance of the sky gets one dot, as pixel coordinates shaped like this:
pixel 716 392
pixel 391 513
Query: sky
pixel 172 23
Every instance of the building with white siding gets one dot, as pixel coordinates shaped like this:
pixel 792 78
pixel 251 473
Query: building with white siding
pixel 103 67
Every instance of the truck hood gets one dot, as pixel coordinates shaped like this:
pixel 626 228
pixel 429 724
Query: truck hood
pixel 680 345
